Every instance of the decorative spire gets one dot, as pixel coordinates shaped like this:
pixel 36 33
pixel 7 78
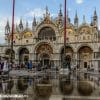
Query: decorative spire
pixel 21 25
pixel 76 19
pixel 68 19
pixel 60 17
pixel 8 23
pixel 26 24
pixel 7 27
pixel 47 14
pixel 95 18
pixel 91 21
pixel 34 21
pixel 60 11
pixel 21 21
pixel 95 13
pixel 46 10
pixel 84 20
pixel 67 13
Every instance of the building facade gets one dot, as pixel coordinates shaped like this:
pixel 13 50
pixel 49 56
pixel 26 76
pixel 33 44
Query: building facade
pixel 44 42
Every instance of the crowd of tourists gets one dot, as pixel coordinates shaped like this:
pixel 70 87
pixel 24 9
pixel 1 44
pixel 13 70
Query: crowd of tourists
pixel 5 65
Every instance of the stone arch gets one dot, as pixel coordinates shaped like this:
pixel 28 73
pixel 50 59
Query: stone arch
pixel 45 25
pixel 85 55
pixel 44 53
pixel 23 53
pixel 42 43
pixel 84 28
pixel 66 57
pixel 8 53
pixel 62 47
pixel 83 45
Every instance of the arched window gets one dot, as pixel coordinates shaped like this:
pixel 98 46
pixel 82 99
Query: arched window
pixel 47 33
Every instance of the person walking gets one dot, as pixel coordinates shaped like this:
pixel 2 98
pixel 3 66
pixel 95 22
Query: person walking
pixel 5 66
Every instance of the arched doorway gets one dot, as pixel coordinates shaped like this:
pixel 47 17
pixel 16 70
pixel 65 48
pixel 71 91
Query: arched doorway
pixel 85 57
pixel 67 57
pixel 8 54
pixel 68 61
pixel 23 55
pixel 45 59
pixel 43 54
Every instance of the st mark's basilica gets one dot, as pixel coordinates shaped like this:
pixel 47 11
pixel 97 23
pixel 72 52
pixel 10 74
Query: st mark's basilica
pixel 43 42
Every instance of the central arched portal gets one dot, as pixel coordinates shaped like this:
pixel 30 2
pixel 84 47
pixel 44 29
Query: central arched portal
pixel 45 59
pixel 43 54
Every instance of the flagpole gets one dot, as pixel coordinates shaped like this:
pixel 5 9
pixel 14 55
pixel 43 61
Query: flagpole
pixel 12 33
pixel 65 23
pixel 64 62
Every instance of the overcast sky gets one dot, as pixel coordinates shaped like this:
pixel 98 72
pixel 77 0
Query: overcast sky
pixel 26 9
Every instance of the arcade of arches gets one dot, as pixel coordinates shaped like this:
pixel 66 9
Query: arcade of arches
pixel 84 58
pixel 44 54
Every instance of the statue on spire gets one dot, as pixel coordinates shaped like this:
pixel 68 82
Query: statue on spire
pixel 60 17
pixel 76 20
pixel 47 14
pixel 60 11
pixel 7 28
pixel 21 25
pixel 95 18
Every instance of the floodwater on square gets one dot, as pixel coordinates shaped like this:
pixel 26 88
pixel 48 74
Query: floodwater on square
pixel 74 86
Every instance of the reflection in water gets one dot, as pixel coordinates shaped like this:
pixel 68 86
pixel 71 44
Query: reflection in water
pixel 43 87
pixel 41 98
pixel 85 87
pixel 6 85
pixel 73 84
pixel 66 84
pixel 22 84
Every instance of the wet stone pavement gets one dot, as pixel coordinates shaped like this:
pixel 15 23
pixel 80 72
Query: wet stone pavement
pixel 78 86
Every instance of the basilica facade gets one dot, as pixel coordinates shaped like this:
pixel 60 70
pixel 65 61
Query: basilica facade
pixel 44 42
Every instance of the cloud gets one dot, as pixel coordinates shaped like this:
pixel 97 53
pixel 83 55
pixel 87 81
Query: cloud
pixel 38 12
pixel 79 1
